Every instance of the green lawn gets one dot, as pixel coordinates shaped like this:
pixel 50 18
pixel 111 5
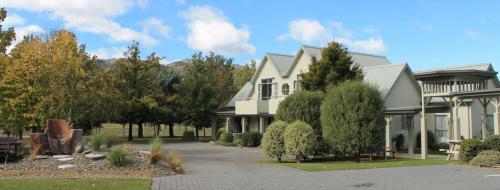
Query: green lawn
pixel 75 184
pixel 351 165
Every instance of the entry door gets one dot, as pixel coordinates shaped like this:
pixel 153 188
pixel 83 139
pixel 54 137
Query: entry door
pixel 441 123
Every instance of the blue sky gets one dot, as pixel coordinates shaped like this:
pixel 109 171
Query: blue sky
pixel 425 34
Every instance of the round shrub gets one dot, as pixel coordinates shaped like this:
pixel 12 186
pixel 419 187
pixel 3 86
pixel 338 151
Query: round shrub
pixel 352 118
pixel 469 149
pixel 118 157
pixel 96 141
pixel 305 106
pixel 492 142
pixel 431 140
pixel 250 139
pixel 218 134
pixel 300 140
pixel 273 142
pixel 489 158
pixel 188 135
pixel 237 138
pixel 226 137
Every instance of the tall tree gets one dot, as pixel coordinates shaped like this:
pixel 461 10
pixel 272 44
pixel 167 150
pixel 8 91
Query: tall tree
pixel 244 74
pixel 170 78
pixel 206 87
pixel 334 67
pixel 7 36
pixel 138 84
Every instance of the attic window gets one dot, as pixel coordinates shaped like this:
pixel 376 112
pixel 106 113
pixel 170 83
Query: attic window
pixel 285 89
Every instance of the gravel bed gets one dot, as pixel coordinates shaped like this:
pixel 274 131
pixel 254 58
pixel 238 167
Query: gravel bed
pixel 138 162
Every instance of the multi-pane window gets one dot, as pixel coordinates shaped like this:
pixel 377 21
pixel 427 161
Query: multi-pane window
pixel 285 89
pixel 266 88
pixel 296 85
pixel 490 125
pixel 441 123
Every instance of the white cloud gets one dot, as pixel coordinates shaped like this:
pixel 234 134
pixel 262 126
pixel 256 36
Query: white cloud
pixel 210 30
pixel 95 16
pixel 113 52
pixel 156 25
pixel 182 2
pixel 23 31
pixel 13 20
pixel 312 31
pixel 305 30
pixel 370 29
pixel 473 33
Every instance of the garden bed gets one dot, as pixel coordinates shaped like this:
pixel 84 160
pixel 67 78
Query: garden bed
pixel 138 166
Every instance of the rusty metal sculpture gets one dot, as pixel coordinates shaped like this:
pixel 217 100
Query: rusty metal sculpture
pixel 57 138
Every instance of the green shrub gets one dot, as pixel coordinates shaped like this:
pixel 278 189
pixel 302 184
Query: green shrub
pixel 489 158
pixel 237 138
pixel 300 141
pixel 469 149
pixel 96 141
pixel 118 157
pixel 273 142
pixel 492 142
pixel 188 135
pixel 226 137
pixel 399 141
pixel 305 106
pixel 218 134
pixel 431 140
pixel 352 118
pixel 156 151
pixel 250 139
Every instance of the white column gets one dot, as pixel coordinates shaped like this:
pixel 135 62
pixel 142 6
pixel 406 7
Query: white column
pixel 261 124
pixel 227 123
pixel 423 132
pixel 388 135
pixel 243 124
pixel 484 118
pixel 411 144
pixel 456 125
pixel 496 116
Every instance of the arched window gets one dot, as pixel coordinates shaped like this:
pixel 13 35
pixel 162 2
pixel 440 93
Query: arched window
pixel 285 89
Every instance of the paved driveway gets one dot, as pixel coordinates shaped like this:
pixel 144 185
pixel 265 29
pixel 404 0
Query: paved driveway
pixel 215 167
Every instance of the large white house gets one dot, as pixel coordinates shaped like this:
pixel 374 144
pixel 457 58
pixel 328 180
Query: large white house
pixel 454 98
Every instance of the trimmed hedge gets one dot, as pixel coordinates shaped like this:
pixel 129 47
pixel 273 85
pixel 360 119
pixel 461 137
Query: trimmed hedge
pixel 273 142
pixel 469 149
pixel 300 140
pixel 250 139
pixel 188 135
pixel 226 137
pixel 489 158
pixel 492 142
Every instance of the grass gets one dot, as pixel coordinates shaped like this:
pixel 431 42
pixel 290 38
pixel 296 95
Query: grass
pixel 351 165
pixel 75 184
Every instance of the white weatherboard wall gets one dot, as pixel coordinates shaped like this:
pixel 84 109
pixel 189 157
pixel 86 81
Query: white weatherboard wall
pixel 403 93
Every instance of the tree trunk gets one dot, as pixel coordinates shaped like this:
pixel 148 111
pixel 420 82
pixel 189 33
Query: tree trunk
pixel 197 135
pixel 140 133
pixel 171 129
pixel 130 138
pixel 158 130
pixel 204 135
pixel 20 133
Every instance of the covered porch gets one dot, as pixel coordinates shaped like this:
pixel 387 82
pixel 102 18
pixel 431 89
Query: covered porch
pixel 453 88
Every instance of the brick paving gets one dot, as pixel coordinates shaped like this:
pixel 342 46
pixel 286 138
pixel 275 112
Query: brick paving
pixel 214 167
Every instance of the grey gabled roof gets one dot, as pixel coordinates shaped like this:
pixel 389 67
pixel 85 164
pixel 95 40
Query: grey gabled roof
pixel 361 59
pixel 244 92
pixel 480 67
pixel 384 76
pixel 282 62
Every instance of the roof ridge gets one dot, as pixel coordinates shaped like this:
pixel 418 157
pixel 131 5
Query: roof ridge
pixel 350 52
pixel 388 65
pixel 280 54
pixel 453 67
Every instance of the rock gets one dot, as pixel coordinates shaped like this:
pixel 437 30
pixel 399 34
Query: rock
pixel 66 166
pixel 65 159
pixel 60 156
pixel 86 151
pixel 145 152
pixel 41 157
pixel 95 156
